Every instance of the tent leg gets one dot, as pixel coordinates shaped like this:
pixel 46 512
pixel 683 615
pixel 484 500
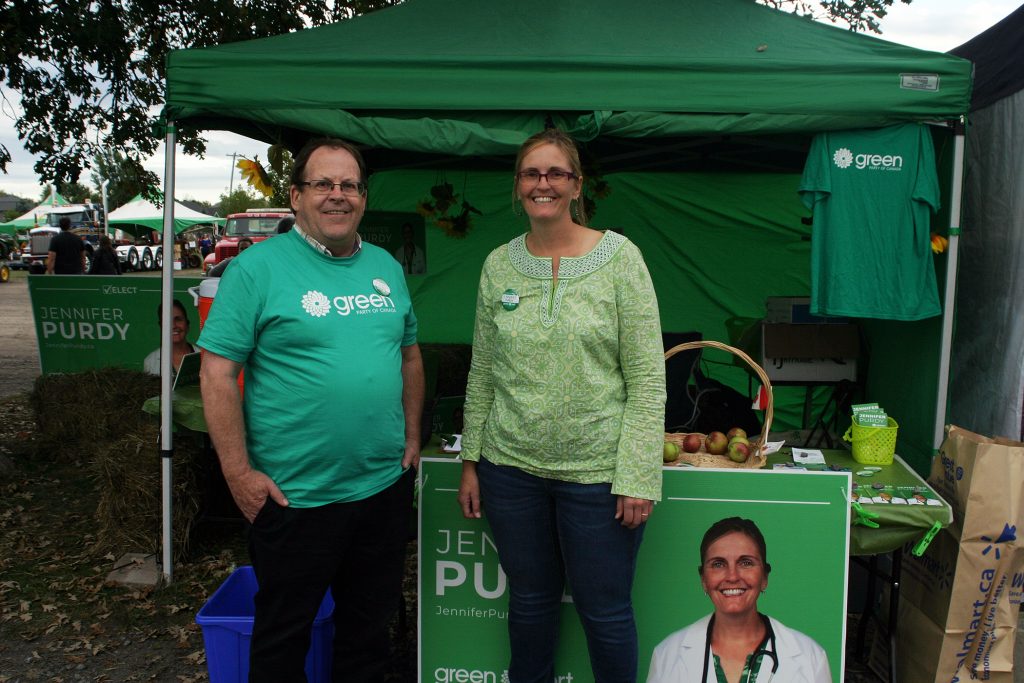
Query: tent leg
pixel 949 302
pixel 166 353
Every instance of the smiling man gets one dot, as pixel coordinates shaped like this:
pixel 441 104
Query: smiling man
pixel 320 456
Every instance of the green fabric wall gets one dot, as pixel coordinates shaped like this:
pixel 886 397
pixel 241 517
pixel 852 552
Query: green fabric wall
pixel 717 244
pixel 903 379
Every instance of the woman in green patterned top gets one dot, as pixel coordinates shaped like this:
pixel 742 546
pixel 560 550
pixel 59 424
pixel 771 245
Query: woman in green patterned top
pixel 564 415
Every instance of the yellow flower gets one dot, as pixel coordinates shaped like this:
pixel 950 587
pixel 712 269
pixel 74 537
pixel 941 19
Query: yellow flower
pixel 939 243
pixel 255 175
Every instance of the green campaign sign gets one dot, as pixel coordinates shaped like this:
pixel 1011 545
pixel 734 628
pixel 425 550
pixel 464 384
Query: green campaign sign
pixel 93 321
pixel 804 517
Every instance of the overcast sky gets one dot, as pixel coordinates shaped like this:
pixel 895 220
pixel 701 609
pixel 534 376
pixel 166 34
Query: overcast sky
pixel 938 25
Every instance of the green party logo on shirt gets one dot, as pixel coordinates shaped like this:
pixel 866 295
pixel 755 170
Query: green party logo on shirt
pixel 317 304
pixel 844 158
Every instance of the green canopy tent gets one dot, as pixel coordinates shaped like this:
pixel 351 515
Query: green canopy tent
pixel 139 215
pixel 468 78
pixel 698 114
pixel 35 216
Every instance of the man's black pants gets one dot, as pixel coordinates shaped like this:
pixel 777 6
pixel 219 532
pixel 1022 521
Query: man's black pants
pixel 358 549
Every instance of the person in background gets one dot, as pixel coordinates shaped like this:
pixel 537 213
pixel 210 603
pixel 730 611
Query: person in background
pixel 409 255
pixel 66 255
pixel 205 245
pixel 104 259
pixel 218 270
pixel 736 642
pixel 320 459
pixel 179 339
pixel 564 418
pixel 285 224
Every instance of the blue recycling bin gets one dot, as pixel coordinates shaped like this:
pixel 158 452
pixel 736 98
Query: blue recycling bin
pixel 227 618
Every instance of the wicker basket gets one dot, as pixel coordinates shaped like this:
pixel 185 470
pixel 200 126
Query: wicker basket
pixel 702 458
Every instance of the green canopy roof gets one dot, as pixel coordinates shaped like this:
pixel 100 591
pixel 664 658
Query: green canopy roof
pixel 473 77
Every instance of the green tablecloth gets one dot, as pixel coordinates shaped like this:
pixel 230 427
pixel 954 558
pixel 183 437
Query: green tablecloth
pixel 897 524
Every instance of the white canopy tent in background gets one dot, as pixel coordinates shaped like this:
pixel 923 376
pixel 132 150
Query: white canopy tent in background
pixel 34 216
pixel 142 212
pixel 987 383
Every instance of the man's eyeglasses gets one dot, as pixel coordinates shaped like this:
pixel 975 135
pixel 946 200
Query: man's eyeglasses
pixel 555 176
pixel 349 188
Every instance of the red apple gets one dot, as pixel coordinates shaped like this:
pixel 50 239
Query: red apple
pixel 692 443
pixel 736 431
pixel 739 451
pixel 716 443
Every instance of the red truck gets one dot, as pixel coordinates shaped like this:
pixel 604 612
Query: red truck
pixel 256 224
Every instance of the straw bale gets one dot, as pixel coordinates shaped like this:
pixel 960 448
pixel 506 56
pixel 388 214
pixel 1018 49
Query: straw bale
pixel 127 474
pixel 96 417
pixel 76 412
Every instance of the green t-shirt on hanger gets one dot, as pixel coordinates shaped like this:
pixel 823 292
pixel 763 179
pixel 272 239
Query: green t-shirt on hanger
pixel 872 193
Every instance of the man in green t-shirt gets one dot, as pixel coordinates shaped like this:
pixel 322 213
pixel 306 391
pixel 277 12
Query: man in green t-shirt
pixel 319 457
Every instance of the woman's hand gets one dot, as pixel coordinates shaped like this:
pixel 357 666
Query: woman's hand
pixel 633 511
pixel 469 491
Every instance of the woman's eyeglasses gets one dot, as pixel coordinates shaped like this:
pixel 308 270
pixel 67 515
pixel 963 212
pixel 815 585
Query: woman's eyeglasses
pixel 554 176
pixel 349 188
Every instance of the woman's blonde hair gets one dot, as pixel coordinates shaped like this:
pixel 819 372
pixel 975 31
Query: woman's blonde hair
pixel 558 138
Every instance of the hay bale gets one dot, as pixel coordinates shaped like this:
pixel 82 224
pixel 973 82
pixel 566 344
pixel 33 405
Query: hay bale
pixel 96 417
pixel 77 412
pixel 127 473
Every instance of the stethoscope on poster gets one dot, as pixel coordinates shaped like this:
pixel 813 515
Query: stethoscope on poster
pixel 756 658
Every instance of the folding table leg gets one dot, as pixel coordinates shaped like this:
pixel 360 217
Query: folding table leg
pixel 868 611
pixel 894 608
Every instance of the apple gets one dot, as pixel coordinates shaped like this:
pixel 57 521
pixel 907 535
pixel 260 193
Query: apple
pixel 736 431
pixel 739 451
pixel 670 452
pixel 716 443
pixel 692 443
pixel 739 439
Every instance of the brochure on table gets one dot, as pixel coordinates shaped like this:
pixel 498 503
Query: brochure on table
pixel 804 516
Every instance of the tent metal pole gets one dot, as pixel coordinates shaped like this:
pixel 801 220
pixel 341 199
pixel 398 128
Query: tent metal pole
pixel 949 302
pixel 106 209
pixel 167 353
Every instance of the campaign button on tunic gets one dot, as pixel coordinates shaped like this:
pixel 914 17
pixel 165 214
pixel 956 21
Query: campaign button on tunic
pixel 510 300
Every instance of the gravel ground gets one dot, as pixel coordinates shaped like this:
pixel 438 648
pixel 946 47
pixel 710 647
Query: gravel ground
pixel 19 352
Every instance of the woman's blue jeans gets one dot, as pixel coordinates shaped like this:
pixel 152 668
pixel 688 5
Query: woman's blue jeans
pixel 546 531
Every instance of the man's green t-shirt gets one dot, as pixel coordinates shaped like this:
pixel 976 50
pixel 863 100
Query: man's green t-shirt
pixel 321 341
pixel 872 193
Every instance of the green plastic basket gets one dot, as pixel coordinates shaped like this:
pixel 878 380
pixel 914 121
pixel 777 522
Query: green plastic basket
pixel 873 445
